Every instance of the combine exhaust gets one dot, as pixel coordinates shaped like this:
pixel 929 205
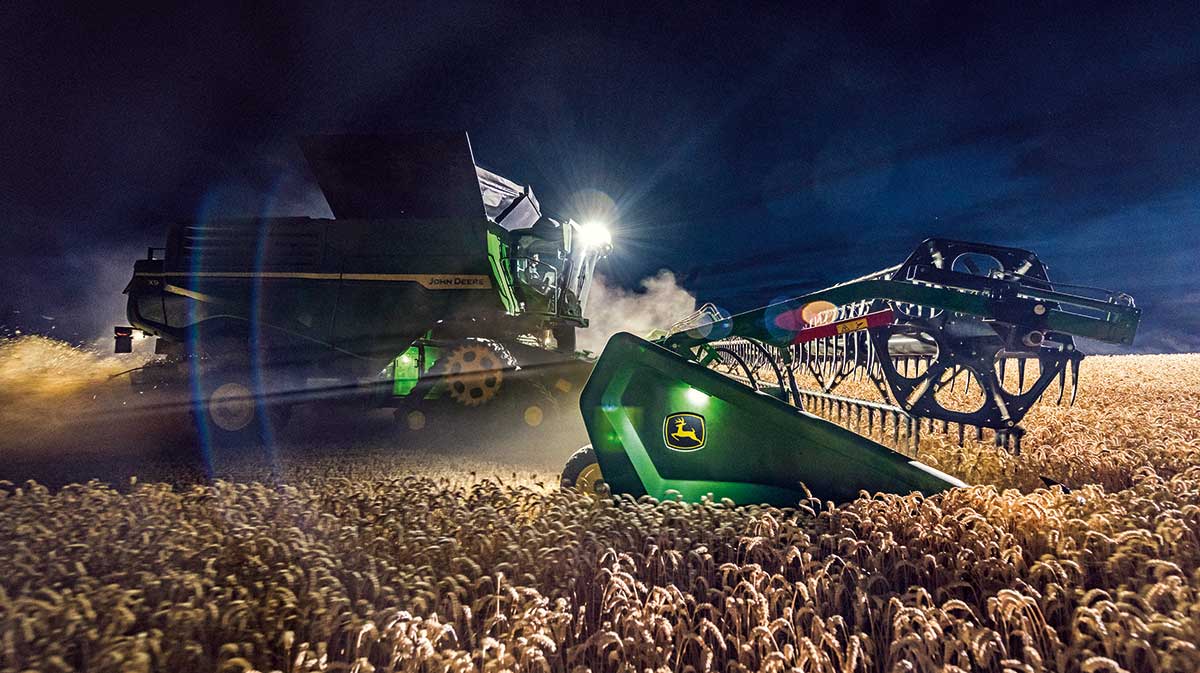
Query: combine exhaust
pixel 960 337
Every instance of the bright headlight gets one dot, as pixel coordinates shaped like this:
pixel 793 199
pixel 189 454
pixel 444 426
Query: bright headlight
pixel 593 234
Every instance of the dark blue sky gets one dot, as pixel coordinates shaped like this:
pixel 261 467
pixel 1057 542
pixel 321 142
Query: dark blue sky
pixel 755 153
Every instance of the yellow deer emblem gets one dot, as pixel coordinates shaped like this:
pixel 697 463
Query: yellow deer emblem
pixel 687 434
pixel 683 432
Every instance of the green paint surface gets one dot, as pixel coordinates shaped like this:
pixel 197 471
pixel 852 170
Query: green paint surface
pixel 406 371
pixel 497 253
pixel 757 448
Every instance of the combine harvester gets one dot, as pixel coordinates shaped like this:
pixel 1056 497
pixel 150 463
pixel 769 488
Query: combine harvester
pixel 715 405
pixel 438 288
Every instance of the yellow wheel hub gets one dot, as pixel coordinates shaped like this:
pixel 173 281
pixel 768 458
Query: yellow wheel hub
pixel 474 374
pixel 586 481
pixel 231 407
pixel 534 416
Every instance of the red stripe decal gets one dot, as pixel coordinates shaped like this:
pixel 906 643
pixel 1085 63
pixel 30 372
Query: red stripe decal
pixel 876 319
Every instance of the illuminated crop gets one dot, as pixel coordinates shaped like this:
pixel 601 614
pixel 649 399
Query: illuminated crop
pixel 369 563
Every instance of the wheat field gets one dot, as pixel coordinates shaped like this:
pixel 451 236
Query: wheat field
pixel 384 563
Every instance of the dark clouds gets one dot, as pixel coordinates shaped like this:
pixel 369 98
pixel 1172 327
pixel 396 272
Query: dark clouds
pixel 755 153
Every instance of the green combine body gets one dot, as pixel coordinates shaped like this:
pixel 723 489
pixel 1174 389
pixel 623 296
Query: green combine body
pixel 435 280
pixel 713 407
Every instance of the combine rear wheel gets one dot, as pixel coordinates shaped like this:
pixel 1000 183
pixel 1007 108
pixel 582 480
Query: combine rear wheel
pixel 411 419
pixel 228 407
pixel 582 472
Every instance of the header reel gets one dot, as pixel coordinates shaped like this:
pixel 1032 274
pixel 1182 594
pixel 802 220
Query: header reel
pixel 715 407
pixel 961 333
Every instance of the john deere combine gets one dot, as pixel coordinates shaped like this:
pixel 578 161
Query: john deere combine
pixel 961 337
pixel 438 284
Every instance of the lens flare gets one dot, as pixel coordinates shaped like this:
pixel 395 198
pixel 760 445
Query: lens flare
pixel 594 234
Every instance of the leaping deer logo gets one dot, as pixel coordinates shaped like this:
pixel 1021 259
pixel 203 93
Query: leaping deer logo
pixel 684 432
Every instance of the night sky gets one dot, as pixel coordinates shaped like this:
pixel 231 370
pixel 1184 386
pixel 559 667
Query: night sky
pixel 755 154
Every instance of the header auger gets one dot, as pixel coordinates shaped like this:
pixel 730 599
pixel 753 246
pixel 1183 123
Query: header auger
pixel 960 333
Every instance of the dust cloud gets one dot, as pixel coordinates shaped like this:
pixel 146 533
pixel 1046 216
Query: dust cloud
pixel 56 394
pixel 657 303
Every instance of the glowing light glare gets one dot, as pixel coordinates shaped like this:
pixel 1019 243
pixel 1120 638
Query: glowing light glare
pixel 818 312
pixel 695 396
pixel 594 234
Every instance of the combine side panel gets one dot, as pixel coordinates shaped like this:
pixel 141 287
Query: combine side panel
pixel 659 422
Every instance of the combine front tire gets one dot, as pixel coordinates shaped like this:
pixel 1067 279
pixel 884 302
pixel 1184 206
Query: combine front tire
pixel 475 371
pixel 582 471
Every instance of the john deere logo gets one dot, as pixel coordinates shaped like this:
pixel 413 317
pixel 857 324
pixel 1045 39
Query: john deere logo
pixel 684 432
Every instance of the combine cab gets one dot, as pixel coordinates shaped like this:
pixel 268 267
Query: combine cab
pixel 437 284
pixel 961 338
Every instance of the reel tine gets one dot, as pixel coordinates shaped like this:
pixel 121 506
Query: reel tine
pixel 1003 361
pixel 831 357
pixel 1062 384
pixel 1020 374
pixel 1074 379
pixel 870 356
pixel 961 428
pixel 826 359
pixel 854 368
pixel 967 388
pixel 819 357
